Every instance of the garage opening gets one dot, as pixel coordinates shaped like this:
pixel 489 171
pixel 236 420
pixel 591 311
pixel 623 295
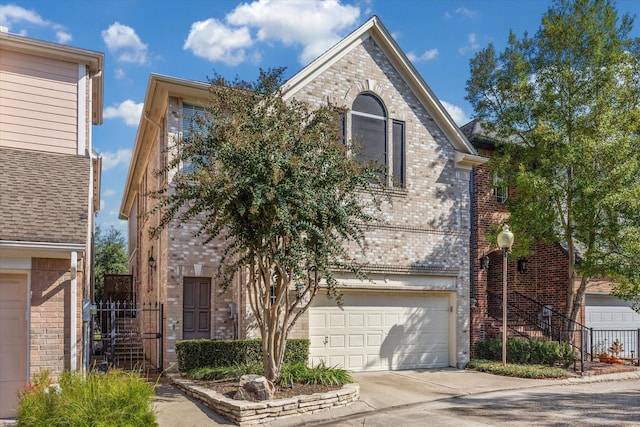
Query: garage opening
pixel 383 330
pixel 13 341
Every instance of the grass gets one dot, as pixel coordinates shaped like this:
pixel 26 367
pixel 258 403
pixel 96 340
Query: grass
pixel 517 370
pixel 295 373
pixel 112 399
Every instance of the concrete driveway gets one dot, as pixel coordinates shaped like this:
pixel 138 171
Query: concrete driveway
pixel 379 391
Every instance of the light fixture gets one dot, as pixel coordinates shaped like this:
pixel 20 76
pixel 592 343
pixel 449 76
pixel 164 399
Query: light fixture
pixel 484 263
pixel 505 241
pixel 522 265
pixel 152 262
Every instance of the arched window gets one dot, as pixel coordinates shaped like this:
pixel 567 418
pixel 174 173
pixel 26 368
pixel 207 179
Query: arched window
pixel 369 129
pixel 369 123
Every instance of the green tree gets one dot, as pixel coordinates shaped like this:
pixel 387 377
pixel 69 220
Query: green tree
pixel 272 179
pixel 110 256
pixel 566 106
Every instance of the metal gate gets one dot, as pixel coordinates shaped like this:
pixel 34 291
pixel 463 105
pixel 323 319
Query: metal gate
pixel 127 335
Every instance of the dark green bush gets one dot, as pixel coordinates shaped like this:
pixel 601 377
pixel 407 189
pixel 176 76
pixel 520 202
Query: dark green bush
pixel 290 373
pixel 112 399
pixel 202 353
pixel 534 352
pixel 514 370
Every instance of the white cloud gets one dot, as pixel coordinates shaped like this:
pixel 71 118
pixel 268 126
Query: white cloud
pixel 113 212
pixel 109 192
pixel 466 12
pixel 119 74
pixel 102 204
pixel 63 37
pixel 214 41
pixel 127 110
pixel 12 15
pixel 457 114
pixel 472 46
pixel 316 25
pixel 428 55
pixel 313 24
pixel 123 40
pixel 110 159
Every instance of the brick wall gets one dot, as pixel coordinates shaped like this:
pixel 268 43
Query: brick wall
pixel 424 226
pixel 544 281
pixel 50 315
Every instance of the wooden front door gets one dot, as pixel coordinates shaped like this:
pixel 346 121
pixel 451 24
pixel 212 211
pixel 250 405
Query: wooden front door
pixel 196 309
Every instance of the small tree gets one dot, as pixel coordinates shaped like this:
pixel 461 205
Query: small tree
pixel 273 180
pixel 110 257
pixel 565 106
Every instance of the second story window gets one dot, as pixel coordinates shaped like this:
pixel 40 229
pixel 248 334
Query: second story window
pixel 189 125
pixel 500 190
pixel 369 129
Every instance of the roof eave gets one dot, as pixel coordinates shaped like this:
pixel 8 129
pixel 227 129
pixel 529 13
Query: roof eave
pixel 95 61
pixel 159 89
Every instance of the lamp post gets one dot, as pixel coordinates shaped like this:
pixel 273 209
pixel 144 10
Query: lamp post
pixel 505 240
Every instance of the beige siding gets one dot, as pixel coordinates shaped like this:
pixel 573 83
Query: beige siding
pixel 38 107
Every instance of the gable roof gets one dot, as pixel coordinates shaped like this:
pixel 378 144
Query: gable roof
pixel 466 155
pixel 159 89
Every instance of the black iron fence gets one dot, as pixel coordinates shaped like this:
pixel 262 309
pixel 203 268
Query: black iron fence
pixel 127 335
pixel 622 343
pixel 530 319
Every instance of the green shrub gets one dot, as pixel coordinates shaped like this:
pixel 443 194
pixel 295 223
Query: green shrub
pixel 515 370
pixel 535 352
pixel 202 353
pixel 112 399
pixel 225 372
pixel 290 373
pixel 322 374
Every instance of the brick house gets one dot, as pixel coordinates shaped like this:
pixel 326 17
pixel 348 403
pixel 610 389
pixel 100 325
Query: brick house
pixel 415 312
pixel 50 96
pixel 542 277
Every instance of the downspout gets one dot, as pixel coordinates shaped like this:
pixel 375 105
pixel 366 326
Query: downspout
pixel 73 350
pixel 472 239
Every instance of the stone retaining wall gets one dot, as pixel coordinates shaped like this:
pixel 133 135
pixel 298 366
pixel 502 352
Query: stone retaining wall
pixel 243 412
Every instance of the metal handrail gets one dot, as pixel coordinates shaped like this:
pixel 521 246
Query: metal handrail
pixel 546 326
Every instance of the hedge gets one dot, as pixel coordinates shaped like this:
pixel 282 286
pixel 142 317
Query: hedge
pixel 201 353
pixel 533 352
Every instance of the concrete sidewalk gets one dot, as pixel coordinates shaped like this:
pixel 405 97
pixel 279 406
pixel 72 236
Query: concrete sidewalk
pixel 378 391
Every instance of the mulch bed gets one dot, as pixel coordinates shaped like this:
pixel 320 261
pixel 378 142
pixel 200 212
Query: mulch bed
pixel 599 368
pixel 228 388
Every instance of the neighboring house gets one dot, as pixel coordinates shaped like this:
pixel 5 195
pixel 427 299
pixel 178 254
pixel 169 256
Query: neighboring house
pixel 540 277
pixel 415 311
pixel 50 96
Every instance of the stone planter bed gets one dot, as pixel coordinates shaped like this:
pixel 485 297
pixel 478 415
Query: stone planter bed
pixel 243 412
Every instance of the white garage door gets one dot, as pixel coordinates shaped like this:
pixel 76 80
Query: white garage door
pixel 13 340
pixel 381 331
pixel 609 312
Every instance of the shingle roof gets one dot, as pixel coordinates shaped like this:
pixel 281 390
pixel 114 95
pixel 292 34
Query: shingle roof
pixel 43 197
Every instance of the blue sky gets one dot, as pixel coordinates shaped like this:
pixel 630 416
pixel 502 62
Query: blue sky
pixel 191 38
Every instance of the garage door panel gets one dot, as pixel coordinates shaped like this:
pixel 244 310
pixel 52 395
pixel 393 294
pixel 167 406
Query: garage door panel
pixel 356 320
pixel 336 320
pixel 356 341
pixel 13 340
pixel 319 319
pixel 382 331
pixel 336 341
pixel 374 320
